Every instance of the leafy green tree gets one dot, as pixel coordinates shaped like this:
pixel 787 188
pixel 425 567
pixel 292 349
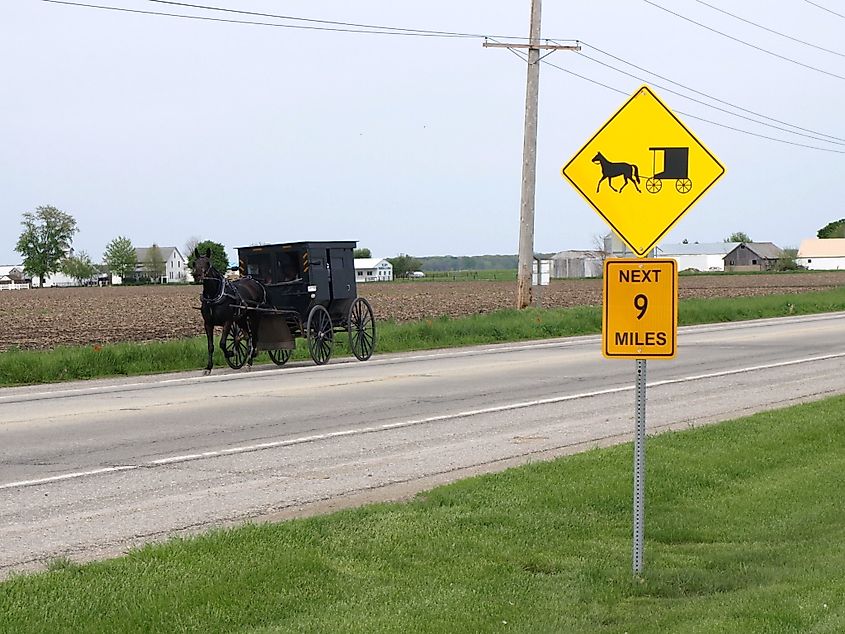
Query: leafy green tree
pixel 46 238
pixel 120 257
pixel 788 261
pixel 154 264
pixel 835 229
pixel 362 253
pixel 403 264
pixel 79 267
pixel 219 259
pixel 739 236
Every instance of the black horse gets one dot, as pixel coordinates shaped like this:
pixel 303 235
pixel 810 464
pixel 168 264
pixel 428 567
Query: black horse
pixel 222 303
pixel 609 170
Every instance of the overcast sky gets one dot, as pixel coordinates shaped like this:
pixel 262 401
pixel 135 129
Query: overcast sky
pixel 162 128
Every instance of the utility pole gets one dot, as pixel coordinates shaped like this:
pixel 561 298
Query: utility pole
pixel 529 151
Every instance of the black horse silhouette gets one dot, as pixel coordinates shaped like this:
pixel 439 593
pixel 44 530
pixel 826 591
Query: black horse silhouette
pixel 610 170
pixel 222 303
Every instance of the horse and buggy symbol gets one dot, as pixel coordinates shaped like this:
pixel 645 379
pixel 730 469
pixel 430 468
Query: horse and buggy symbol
pixel 675 162
pixel 298 289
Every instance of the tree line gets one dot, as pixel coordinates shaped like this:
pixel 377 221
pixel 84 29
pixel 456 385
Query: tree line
pixel 45 244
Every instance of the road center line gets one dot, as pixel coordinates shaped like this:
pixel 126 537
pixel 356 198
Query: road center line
pixel 407 423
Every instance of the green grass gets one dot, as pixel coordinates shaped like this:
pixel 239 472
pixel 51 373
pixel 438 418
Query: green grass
pixel 20 367
pixel 745 532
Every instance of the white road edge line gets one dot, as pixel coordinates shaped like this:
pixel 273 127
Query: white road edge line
pixel 409 423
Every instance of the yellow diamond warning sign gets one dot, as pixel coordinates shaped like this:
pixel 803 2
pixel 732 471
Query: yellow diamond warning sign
pixel 643 170
pixel 640 316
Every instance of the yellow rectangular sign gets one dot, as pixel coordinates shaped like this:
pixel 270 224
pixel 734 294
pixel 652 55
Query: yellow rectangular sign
pixel 640 315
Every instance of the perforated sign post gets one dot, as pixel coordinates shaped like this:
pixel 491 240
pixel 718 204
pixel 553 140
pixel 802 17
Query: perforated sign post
pixel 641 172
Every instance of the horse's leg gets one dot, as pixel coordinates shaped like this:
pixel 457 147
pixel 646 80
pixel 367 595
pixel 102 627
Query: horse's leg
pixel 209 335
pixel 254 329
pixel 249 324
pixel 226 328
pixel 624 182
pixel 610 182
pixel 599 185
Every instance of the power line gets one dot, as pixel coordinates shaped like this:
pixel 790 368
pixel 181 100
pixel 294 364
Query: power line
pixel 382 30
pixel 765 28
pixel 692 116
pixel 372 31
pixel 736 39
pixel 824 8
pixel 703 103
pixel 312 20
pixel 698 101
pixel 708 96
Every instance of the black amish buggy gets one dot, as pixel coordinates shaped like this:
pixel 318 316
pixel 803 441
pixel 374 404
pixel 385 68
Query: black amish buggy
pixel 311 293
pixel 296 289
pixel 675 167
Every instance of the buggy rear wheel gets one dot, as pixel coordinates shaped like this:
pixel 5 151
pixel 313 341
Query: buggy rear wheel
pixel 280 356
pixel 320 335
pixel 362 329
pixel 683 185
pixel 236 347
pixel 653 185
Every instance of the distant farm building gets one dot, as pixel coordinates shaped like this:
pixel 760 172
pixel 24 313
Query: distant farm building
pixel 174 270
pixel 13 278
pixel 569 264
pixel 373 270
pixel 705 256
pixel 822 254
pixel 753 256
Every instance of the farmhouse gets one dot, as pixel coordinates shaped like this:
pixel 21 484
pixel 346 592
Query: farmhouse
pixel 13 278
pixel 373 270
pixel 174 271
pixel 822 254
pixel 753 256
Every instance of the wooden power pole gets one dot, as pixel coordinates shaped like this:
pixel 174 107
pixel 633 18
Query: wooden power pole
pixel 529 152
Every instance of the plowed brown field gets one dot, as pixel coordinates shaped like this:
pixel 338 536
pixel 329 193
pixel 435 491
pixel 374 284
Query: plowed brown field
pixel 45 318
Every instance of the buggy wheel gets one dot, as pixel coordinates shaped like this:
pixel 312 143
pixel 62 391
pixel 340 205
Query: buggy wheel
pixel 280 356
pixel 236 347
pixel 683 185
pixel 320 335
pixel 653 185
pixel 362 329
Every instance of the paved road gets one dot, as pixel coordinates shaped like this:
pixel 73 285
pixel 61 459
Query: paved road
pixel 90 469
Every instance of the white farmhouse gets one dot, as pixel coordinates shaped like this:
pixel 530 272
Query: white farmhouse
pixel 822 254
pixel 706 256
pixel 373 270
pixel 175 265
pixel 13 278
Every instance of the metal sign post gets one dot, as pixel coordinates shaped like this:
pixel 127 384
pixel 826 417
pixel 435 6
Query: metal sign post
pixel 639 469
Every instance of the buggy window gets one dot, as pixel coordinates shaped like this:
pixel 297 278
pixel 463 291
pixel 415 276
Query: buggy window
pixel 258 266
pixel 287 266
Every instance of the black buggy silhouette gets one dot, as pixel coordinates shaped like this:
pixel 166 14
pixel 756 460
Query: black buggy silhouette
pixel 310 293
pixel 675 166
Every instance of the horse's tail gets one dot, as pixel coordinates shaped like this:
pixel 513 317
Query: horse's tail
pixel 636 173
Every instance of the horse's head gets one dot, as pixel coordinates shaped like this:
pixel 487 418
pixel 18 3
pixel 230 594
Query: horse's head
pixel 202 268
pixel 598 158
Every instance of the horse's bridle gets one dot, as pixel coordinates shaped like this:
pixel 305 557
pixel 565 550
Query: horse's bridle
pixel 210 273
